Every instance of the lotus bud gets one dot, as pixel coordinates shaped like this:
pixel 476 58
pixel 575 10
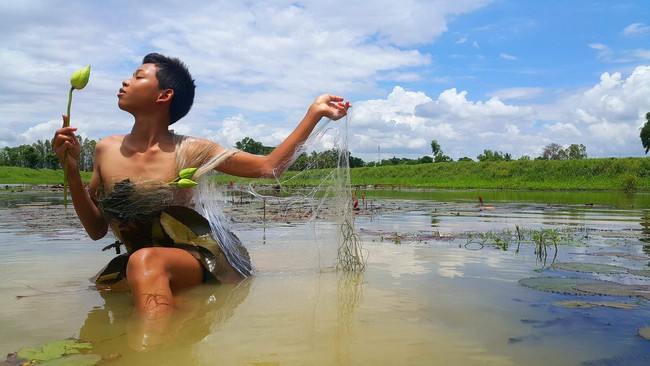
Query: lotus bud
pixel 187 173
pixel 80 78
pixel 186 183
pixel 78 81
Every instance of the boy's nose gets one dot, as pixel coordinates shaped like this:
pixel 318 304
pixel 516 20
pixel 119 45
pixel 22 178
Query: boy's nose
pixel 125 83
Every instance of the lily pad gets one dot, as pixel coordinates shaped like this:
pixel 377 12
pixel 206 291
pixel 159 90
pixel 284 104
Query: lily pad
pixel 562 285
pixel 615 289
pixel 52 350
pixel 621 255
pixel 590 268
pixel 641 272
pixel 74 360
pixel 645 332
pixel 571 304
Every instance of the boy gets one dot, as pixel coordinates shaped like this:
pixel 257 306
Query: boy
pixel 160 92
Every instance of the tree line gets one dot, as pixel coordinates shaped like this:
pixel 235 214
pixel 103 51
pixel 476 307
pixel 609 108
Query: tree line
pixel 330 158
pixel 40 155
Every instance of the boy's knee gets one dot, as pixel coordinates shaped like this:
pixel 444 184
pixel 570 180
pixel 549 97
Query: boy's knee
pixel 144 263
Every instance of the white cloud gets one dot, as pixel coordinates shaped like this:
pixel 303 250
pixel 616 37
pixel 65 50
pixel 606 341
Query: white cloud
pixel 259 65
pixel 636 29
pixel 604 52
pixel 605 118
pixel 272 57
pixel 507 57
pixel 517 93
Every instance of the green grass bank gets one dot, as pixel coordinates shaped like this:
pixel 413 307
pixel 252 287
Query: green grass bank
pixel 16 175
pixel 620 174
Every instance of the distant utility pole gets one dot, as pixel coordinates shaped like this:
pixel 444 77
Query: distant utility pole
pixel 378 155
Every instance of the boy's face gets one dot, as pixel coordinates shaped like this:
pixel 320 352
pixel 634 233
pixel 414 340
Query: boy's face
pixel 140 91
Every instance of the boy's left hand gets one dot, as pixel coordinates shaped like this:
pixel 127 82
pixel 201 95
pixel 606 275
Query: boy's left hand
pixel 331 106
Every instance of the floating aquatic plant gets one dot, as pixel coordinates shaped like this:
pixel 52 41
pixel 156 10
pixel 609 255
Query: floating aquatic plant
pixel 585 286
pixel 571 304
pixel 562 285
pixel 615 289
pixel 590 268
pixel 645 332
pixel 78 81
pixel 62 352
pixel 640 272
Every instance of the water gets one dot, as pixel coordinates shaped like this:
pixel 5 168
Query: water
pixel 434 292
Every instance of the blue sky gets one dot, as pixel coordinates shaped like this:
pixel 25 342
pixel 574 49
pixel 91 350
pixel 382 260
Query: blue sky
pixel 511 76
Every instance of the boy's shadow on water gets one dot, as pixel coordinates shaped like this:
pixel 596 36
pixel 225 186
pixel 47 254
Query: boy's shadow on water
pixel 116 331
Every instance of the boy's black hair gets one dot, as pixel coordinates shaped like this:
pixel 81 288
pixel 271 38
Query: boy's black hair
pixel 173 74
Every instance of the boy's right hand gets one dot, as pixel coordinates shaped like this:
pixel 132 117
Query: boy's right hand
pixel 65 140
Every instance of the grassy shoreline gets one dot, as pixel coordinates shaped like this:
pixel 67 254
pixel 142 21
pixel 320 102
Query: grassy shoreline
pixel 11 175
pixel 607 174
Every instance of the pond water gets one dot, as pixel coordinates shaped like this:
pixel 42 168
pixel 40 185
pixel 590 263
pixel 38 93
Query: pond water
pixel 441 286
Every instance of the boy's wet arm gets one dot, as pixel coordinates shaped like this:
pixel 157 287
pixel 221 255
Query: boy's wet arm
pixel 84 203
pixel 247 165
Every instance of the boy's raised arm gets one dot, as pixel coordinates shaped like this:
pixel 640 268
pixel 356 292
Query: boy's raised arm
pixel 88 213
pixel 273 165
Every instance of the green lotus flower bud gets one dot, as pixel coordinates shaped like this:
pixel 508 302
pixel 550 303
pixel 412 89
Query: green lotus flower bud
pixel 187 173
pixel 186 183
pixel 78 81
pixel 80 78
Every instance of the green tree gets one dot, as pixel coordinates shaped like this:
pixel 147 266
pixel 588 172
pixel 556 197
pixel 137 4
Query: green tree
pixel 254 147
pixel 425 160
pixel 645 133
pixel 553 152
pixel 575 152
pixel 438 155
pixel 356 162
pixel 435 148
pixel 490 155
pixel 29 156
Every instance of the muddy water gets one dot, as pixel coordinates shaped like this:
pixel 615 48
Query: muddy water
pixel 437 288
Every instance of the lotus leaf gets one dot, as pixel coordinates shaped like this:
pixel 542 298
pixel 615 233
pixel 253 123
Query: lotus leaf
pixel 621 255
pixel 615 289
pixel 641 272
pixel 74 360
pixel 563 285
pixel 645 332
pixel 590 304
pixel 590 268
pixel 52 350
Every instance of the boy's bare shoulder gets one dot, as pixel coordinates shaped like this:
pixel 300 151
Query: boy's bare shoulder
pixel 108 142
pixel 200 143
pixel 111 139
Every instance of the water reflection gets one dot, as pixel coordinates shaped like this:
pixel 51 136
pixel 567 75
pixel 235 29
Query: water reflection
pixel 116 331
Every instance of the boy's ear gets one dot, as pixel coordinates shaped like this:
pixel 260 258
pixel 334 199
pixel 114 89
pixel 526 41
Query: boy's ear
pixel 165 96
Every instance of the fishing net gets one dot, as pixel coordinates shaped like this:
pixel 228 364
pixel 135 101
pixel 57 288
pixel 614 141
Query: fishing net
pixel 313 225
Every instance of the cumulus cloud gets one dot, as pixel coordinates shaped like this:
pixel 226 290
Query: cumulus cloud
pixel 517 93
pixel 636 29
pixel 262 63
pixel 271 57
pixel 508 57
pixel 605 118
